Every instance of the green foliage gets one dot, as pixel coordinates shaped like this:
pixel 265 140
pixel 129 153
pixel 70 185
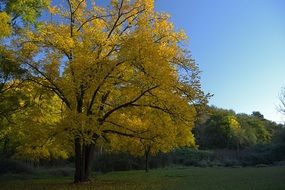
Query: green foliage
pixel 28 10
pixel 280 137
pixel 221 129
pixel 12 98
pixel 13 10
pixel 265 154
pixel 268 153
pixel 257 126
pixel 224 129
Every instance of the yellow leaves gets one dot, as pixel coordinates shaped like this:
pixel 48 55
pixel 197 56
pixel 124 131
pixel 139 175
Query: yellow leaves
pixel 103 63
pixel 234 123
pixel 22 103
pixel 36 126
pixel 79 4
pixel 29 49
pixel 53 10
pixel 5 131
pixel 5 28
pixel 152 128
pixel 56 36
pixel 35 152
pixel 52 69
pixel 164 25
pixel 81 126
pixel 148 5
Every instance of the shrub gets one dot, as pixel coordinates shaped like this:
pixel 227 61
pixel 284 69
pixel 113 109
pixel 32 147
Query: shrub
pixel 13 167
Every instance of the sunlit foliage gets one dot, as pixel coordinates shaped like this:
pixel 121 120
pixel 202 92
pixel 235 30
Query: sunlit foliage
pixel 118 72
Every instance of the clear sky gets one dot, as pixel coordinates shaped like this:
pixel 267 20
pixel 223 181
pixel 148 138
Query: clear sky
pixel 240 48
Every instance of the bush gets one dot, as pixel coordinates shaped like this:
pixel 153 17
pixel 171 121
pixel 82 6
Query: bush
pixel 191 157
pixel 60 172
pixel 232 163
pixel 265 154
pixel 114 162
pixel 13 167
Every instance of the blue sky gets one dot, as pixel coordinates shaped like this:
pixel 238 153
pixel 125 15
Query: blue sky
pixel 240 48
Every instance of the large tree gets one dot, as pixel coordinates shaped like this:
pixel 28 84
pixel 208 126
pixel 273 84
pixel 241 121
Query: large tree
pixel 105 64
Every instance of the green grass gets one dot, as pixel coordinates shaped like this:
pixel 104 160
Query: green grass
pixel 269 178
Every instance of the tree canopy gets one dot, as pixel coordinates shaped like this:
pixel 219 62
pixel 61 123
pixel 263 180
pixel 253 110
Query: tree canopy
pixel 220 128
pixel 117 71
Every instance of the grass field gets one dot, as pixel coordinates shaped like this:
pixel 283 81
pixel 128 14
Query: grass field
pixel 269 178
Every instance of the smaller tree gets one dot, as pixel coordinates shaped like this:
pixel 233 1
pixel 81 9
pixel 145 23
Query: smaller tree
pixel 157 133
pixel 11 74
pixel 257 126
pixel 257 114
pixel 222 129
pixel 38 116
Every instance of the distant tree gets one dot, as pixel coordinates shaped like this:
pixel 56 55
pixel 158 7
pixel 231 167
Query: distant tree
pixel 221 129
pixel 257 114
pixel 214 129
pixel 280 137
pixel 255 129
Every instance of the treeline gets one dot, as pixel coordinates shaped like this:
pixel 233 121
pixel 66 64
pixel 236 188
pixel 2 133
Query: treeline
pixel 223 138
pixel 240 139
pixel 224 129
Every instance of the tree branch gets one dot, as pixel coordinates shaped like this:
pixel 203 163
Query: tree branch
pixel 55 88
pixel 126 104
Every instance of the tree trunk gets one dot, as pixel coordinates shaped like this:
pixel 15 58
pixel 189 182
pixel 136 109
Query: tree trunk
pixel 146 153
pixel 84 155
pixel 89 157
pixel 78 175
pixel 5 145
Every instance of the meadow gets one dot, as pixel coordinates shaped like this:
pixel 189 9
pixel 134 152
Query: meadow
pixel 184 178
